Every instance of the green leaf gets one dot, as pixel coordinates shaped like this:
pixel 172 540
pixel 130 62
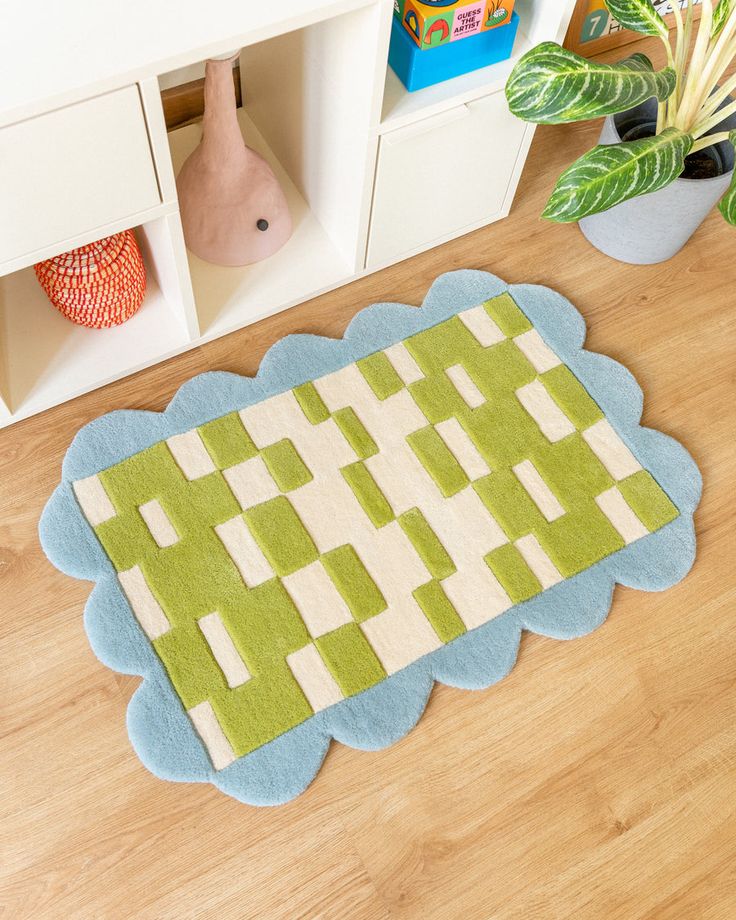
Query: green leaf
pixel 727 204
pixel 720 16
pixel 612 173
pixel 551 85
pixel 639 16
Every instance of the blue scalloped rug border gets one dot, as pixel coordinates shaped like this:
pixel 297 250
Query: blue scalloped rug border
pixel 160 730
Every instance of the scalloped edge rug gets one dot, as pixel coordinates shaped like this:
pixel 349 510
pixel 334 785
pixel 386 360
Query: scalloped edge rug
pixel 162 732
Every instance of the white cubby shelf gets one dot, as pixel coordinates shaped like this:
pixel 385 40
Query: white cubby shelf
pixel 319 103
pixel 228 298
pixel 319 146
pixel 47 359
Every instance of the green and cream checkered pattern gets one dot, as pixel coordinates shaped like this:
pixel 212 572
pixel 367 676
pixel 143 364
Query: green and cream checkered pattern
pixel 293 554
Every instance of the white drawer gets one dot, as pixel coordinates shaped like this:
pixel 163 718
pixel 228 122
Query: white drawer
pixel 442 174
pixel 69 171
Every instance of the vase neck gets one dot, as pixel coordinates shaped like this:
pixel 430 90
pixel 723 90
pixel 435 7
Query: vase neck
pixel 220 122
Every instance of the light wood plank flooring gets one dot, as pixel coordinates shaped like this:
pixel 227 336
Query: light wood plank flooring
pixel 597 781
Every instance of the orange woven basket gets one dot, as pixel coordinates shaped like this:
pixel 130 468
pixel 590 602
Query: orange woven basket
pixel 98 285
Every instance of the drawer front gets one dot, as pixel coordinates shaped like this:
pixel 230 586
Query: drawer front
pixel 442 174
pixel 72 170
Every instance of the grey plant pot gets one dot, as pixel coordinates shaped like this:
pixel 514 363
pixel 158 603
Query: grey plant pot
pixel 654 227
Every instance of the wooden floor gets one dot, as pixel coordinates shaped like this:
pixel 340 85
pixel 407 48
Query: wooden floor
pixel 597 781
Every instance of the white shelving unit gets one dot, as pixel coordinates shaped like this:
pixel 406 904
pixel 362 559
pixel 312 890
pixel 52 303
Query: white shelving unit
pixel 83 126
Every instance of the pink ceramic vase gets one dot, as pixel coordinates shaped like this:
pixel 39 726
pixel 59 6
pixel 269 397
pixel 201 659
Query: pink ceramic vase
pixel 233 210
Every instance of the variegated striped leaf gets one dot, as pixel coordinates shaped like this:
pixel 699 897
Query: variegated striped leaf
pixel 550 85
pixel 720 15
pixel 612 173
pixel 727 204
pixel 639 16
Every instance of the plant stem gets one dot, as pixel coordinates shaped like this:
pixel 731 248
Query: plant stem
pixel 681 60
pixel 670 55
pixel 686 50
pixel 706 72
pixel 719 59
pixel 709 140
pixel 717 97
pixel 679 49
pixel 703 126
pixel 664 109
pixel 691 94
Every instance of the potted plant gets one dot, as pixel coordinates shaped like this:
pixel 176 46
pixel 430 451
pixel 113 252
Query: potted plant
pixel 666 151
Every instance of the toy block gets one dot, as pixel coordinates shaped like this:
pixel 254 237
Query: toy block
pixel 432 23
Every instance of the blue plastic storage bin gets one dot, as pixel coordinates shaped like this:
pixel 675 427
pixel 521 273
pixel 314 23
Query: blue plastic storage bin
pixel 417 69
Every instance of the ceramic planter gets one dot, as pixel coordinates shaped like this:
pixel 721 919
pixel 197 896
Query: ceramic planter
pixel 233 210
pixel 653 228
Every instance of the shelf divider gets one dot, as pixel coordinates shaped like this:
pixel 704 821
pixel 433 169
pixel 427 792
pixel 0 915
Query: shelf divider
pixel 165 254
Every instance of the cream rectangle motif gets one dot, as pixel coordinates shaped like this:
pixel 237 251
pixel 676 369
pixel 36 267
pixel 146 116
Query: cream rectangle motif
pixel 552 421
pixel 268 421
pixel 387 421
pixel 538 561
pixel 328 509
pixel 611 450
pixel 253 566
pixel 391 560
pixel 223 648
pixel 400 635
pixel 210 731
pixel 483 328
pixel 403 363
pixel 146 608
pixel 158 523
pixel 392 419
pixel 318 685
pixel 536 350
pixel 403 480
pixel 463 449
pixel 190 454
pixel 614 506
pixel 342 387
pixel 475 593
pixel 317 599
pixel 94 500
pixel 539 491
pixel 251 482
pixel 465 527
pixel 465 386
